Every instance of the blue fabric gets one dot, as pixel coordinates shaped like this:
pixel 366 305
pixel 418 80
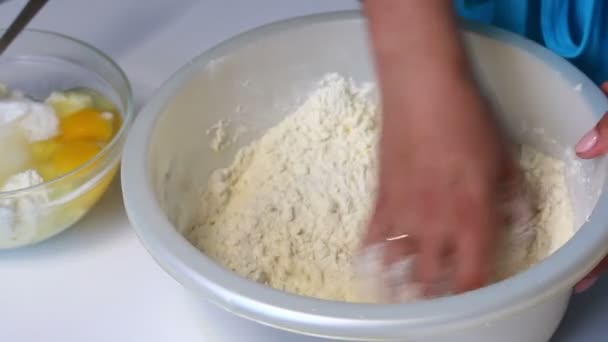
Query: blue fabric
pixel 575 29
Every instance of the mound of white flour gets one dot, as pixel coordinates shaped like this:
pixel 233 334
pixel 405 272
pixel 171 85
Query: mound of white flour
pixel 291 209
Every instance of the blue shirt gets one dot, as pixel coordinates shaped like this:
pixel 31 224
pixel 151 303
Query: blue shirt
pixel 575 29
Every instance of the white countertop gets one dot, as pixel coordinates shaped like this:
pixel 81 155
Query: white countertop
pixel 96 282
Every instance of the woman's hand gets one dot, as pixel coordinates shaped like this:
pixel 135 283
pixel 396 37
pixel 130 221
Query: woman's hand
pixel 592 145
pixel 442 158
pixel 439 184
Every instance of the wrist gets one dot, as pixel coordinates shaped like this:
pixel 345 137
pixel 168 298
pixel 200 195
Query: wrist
pixel 450 102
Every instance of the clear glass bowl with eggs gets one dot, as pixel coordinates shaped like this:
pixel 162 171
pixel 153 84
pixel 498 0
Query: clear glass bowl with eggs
pixel 65 109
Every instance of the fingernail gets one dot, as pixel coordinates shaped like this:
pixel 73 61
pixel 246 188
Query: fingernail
pixel 587 142
pixel 584 285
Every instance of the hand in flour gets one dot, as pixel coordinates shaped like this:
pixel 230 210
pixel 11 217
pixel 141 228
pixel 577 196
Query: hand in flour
pixel 592 145
pixel 441 159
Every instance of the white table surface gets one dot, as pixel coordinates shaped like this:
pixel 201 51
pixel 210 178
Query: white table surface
pixel 96 282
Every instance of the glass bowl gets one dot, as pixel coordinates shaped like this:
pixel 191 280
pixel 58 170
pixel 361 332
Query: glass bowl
pixel 37 64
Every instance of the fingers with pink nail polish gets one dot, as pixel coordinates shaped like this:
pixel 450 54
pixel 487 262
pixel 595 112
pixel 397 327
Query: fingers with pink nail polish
pixel 588 142
pixel 592 277
pixel 595 142
pixel 585 285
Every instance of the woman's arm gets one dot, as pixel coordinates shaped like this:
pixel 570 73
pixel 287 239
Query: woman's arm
pixel 417 45
pixel 441 156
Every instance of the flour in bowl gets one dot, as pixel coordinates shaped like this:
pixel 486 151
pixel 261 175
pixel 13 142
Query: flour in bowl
pixel 291 209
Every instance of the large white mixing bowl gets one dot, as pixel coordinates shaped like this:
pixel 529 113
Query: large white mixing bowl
pixel 258 77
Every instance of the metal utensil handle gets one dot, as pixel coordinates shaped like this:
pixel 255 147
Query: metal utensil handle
pixel 25 16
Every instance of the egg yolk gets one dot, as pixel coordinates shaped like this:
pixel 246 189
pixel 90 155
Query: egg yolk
pixel 83 134
pixel 68 156
pixel 71 155
pixel 87 124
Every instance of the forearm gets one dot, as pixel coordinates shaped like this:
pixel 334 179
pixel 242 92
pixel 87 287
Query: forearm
pixel 418 49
